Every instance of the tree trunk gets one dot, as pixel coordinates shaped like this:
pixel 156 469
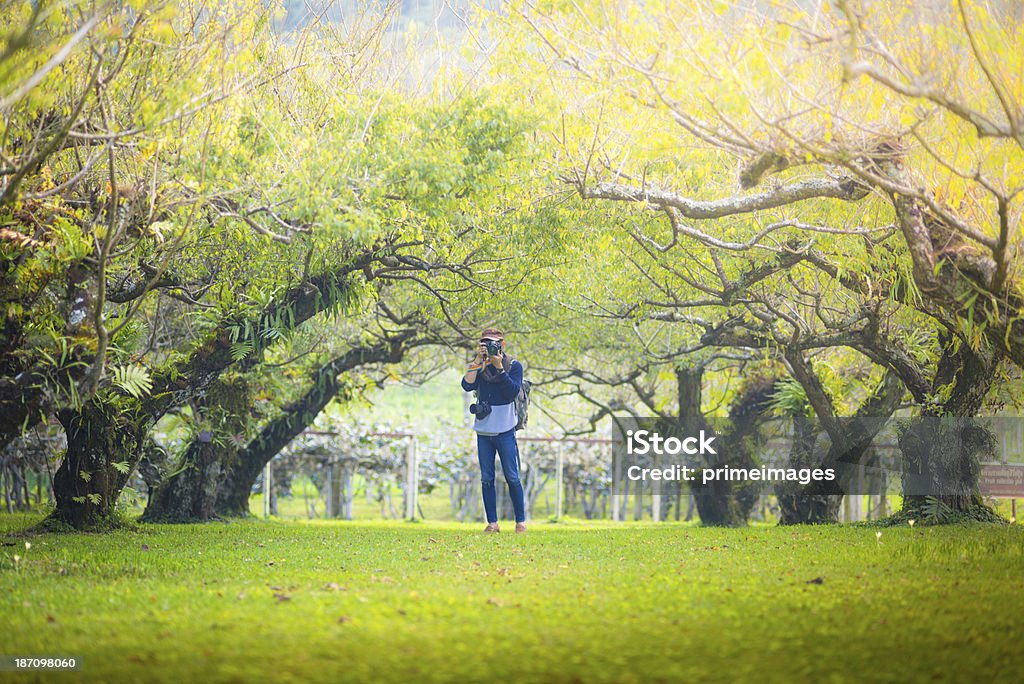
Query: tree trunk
pixel 941 450
pixel 717 503
pixel 103 449
pixel 727 503
pixel 819 502
pixel 809 508
pixel 189 494
pixel 237 482
pixel 802 505
pixel 722 503
pixel 940 456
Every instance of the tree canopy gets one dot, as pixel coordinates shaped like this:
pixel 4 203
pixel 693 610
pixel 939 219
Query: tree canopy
pixel 219 212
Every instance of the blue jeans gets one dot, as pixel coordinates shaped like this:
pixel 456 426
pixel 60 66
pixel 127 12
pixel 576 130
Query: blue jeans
pixel 506 447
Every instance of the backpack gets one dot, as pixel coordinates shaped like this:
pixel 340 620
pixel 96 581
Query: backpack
pixel 522 402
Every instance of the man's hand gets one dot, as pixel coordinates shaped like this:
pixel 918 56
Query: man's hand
pixel 496 360
pixel 476 364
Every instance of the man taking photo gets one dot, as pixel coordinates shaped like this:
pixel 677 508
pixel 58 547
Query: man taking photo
pixel 497 380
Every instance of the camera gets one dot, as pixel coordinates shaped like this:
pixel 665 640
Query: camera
pixel 492 346
pixel 480 409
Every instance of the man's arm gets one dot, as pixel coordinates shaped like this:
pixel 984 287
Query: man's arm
pixel 509 383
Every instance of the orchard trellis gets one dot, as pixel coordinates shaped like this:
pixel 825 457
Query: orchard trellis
pixel 552 454
pixel 588 484
pixel 581 470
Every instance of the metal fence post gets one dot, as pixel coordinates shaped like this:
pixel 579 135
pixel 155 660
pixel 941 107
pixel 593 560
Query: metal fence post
pixel 558 481
pixel 411 479
pixel 266 490
pixel 656 489
pixel 616 497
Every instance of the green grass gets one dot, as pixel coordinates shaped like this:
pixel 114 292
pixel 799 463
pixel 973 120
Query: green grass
pixel 567 602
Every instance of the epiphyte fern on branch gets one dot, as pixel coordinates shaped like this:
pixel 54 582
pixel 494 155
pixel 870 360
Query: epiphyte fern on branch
pixel 134 380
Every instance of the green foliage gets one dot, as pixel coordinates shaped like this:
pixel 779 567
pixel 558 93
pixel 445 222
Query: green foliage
pixel 790 399
pixel 937 512
pixel 239 350
pixel 134 380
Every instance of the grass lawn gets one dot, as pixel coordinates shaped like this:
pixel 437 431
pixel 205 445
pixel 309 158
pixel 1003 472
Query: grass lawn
pixel 567 602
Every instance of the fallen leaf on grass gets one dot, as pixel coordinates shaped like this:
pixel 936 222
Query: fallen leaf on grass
pixel 816 580
pixel 146 659
pixel 282 597
pixel 334 586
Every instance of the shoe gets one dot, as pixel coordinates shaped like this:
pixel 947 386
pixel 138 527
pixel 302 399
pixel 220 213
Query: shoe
pixel 492 528
pixel 520 527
